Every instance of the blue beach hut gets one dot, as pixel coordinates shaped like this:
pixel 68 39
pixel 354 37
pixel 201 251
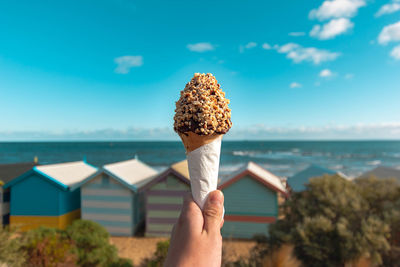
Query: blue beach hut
pixel 112 197
pixel 252 196
pixel 48 195
pixel 8 172
pixel 298 181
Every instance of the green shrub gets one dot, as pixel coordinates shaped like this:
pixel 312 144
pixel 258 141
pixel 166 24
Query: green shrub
pixel 84 243
pixel 92 244
pixel 121 262
pixel 383 197
pixel 47 247
pixel 159 256
pixel 11 252
pixel 331 223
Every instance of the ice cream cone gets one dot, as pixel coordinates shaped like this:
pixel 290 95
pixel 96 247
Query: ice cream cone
pixel 192 141
pixel 202 152
pixel 202 116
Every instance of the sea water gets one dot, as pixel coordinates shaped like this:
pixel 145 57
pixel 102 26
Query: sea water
pixel 284 158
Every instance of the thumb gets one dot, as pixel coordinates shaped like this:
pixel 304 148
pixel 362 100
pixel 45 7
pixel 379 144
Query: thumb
pixel 212 211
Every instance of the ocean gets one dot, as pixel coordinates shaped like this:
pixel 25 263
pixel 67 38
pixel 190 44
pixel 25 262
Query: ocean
pixel 284 158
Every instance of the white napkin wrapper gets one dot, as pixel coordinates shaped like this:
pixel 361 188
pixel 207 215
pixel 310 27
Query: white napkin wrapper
pixel 203 164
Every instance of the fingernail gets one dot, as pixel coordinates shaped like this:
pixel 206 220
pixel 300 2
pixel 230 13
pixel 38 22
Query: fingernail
pixel 216 198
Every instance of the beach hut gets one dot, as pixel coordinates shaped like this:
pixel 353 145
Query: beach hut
pixel 48 195
pixel 383 172
pixel 112 196
pixel 252 195
pixel 7 173
pixel 298 181
pixel 164 198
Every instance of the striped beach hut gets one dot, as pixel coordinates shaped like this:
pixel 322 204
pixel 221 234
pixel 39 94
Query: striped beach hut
pixel 298 181
pixel 7 173
pixel 48 195
pixel 252 195
pixel 164 198
pixel 112 197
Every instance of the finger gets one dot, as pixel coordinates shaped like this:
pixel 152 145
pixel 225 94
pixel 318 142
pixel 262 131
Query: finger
pixel 191 215
pixel 212 211
pixel 222 223
pixel 187 199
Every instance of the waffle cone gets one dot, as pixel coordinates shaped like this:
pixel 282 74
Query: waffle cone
pixel 192 141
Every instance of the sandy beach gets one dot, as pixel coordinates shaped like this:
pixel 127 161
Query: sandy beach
pixel 140 248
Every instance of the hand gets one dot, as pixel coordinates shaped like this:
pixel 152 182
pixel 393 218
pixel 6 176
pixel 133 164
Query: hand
pixel 196 239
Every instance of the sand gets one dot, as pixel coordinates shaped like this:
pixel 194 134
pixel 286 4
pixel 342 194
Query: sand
pixel 139 248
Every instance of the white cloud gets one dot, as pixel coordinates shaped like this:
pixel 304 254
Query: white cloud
pixel 337 9
pixel 132 133
pixel 390 33
pixel 349 76
pixel 332 29
pixel 125 63
pixel 287 47
pixel 311 54
pixel 326 73
pixel 250 45
pixel 388 9
pixel 295 85
pixel 200 47
pixel 297 34
pixel 266 46
pixel 396 53
pixel 384 130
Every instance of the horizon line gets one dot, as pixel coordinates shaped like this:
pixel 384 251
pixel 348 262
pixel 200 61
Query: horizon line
pixel 229 140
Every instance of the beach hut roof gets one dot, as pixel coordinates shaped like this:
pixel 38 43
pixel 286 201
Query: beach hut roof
pixel 182 168
pixel 297 182
pixel 383 172
pixel 262 175
pixel 179 169
pixel 66 175
pixel 132 172
pixel 10 171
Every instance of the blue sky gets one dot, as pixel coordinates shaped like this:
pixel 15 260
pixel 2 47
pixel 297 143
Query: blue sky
pixel 113 69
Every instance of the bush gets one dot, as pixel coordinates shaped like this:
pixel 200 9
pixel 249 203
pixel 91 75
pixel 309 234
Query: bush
pixel 383 197
pixel 84 243
pixel 121 263
pixel 11 252
pixel 47 247
pixel 92 244
pixel 159 256
pixel 330 223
